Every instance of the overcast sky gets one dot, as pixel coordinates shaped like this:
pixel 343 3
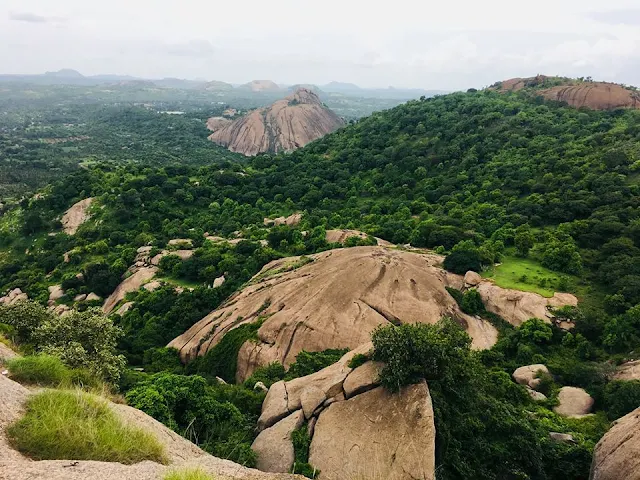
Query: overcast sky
pixel 406 43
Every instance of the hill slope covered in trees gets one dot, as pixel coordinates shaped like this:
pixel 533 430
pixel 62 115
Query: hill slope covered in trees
pixel 486 177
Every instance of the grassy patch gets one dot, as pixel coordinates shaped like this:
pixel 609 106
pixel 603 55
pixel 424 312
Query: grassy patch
pixel 49 371
pixel 65 424
pixel 187 474
pixel 41 370
pixel 527 275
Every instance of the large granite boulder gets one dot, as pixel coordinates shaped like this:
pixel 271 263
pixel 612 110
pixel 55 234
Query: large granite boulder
pixel 574 402
pixel 617 454
pixel 377 434
pixel 367 433
pixel 333 299
pixel 528 375
pixel 274 446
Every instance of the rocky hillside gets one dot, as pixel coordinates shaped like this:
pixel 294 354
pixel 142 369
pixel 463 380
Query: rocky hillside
pixel 286 125
pixel 593 95
pixel 336 299
pixel 181 453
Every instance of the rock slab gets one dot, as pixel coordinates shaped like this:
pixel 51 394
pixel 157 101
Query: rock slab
pixel 274 446
pixel 617 454
pixel 377 434
pixel 574 402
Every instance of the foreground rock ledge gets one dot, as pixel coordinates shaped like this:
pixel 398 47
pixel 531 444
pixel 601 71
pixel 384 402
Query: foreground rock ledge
pixel 182 453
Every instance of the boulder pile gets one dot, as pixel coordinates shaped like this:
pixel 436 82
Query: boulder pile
pixel 358 429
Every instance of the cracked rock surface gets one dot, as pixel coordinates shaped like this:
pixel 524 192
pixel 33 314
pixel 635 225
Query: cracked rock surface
pixel 334 301
pixel 371 434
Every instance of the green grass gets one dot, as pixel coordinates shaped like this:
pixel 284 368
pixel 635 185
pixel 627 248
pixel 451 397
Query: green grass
pixel 527 275
pixel 42 370
pixel 189 474
pixel 49 371
pixel 73 425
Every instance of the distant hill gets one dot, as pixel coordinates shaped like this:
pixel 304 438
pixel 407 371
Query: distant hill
pixel 340 87
pixel 261 86
pixel 575 92
pixel 68 76
pixel 216 86
pixel 65 73
pixel 286 125
pixel 352 89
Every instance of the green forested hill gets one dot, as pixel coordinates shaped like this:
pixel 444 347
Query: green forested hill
pixel 481 176
pixel 482 167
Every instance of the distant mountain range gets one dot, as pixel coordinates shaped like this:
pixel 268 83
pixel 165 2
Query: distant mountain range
pixel 68 76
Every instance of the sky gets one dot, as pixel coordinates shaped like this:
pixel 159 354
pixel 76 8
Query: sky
pixel 451 45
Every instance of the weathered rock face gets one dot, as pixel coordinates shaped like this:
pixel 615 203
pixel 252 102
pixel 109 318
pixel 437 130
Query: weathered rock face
pixel 181 453
pixel 129 284
pixel 574 402
pixel 517 307
pixel 472 279
pixel 617 454
pixel 55 293
pixel 341 236
pixel 628 371
pixel 6 353
pixel 369 433
pixel 335 301
pixel 377 434
pixel 527 375
pixel 594 95
pixel 261 86
pixel 286 125
pixel 274 445
pixel 76 216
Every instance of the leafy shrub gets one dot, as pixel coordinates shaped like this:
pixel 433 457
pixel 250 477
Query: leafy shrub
pixel 536 331
pixel 413 352
pixel 358 360
pixel 301 443
pixel 472 302
pixel 25 318
pixel 621 397
pixel 82 340
pixel 310 362
pixel 222 360
pixel 187 474
pixel 162 360
pixel 269 374
pixel 201 412
pixel 463 260
pixel 77 426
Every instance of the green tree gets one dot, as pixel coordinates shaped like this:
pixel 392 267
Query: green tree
pixel 524 240
pixel 83 340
